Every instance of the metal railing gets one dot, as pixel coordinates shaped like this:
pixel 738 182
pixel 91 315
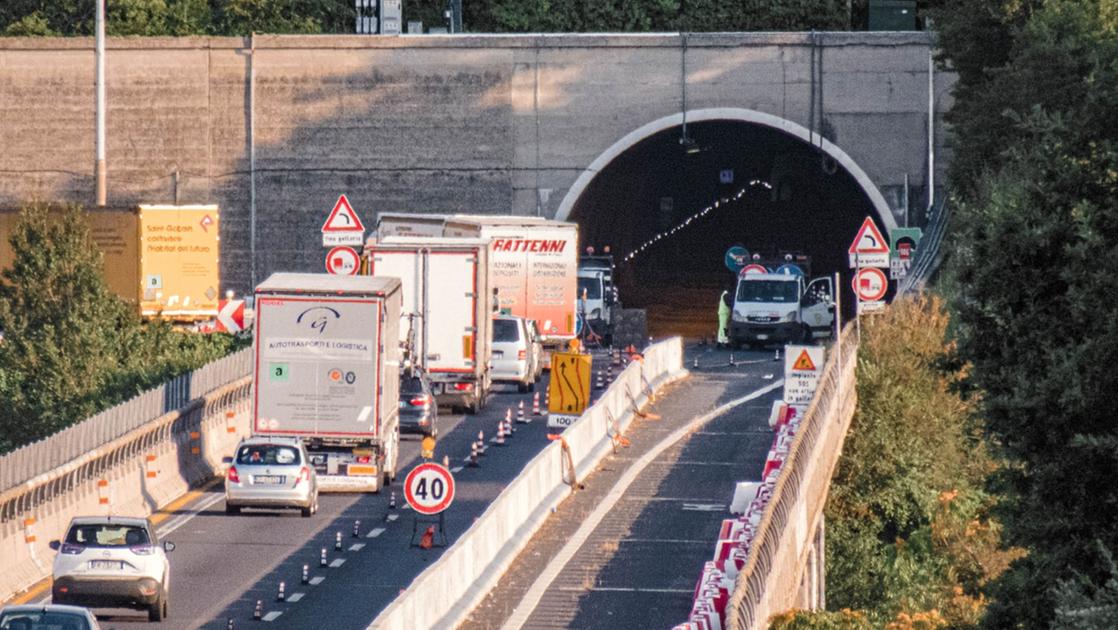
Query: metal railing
pixel 38 458
pixel 768 583
pixel 928 255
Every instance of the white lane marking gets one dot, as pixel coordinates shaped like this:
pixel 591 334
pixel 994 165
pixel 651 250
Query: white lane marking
pixel 374 533
pixel 295 597
pixel 406 506
pixel 316 580
pixel 532 598
pixel 704 507
pixel 456 469
pixel 337 563
pixel 182 519
pixel 271 616
pixel 391 517
pixel 357 546
pixel 665 541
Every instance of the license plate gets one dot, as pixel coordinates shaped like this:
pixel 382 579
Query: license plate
pixel 106 564
pixel 361 469
pixel 267 480
pixel 762 336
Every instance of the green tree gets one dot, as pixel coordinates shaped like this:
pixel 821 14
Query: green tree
pixel 70 347
pixel 910 541
pixel 1035 268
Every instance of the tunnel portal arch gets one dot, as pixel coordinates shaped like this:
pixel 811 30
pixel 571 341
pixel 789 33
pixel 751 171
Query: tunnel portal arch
pixel 733 114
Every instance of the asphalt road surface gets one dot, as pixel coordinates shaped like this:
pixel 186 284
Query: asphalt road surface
pixel 638 565
pixel 223 565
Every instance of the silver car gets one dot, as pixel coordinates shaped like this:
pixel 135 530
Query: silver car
pixel 271 472
pixel 33 616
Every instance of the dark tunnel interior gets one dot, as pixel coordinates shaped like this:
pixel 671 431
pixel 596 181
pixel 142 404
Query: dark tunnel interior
pixel 793 198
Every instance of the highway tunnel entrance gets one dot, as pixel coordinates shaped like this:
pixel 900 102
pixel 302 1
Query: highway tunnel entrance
pixel 670 210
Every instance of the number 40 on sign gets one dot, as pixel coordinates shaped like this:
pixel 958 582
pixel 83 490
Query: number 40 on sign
pixel 429 488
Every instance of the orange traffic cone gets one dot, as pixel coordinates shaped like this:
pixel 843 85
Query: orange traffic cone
pixel 536 404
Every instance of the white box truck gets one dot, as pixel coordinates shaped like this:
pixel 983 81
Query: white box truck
pixel 327 370
pixel 446 319
pixel 534 267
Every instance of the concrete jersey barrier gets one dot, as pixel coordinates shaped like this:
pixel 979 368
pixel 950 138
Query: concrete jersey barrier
pixel 471 567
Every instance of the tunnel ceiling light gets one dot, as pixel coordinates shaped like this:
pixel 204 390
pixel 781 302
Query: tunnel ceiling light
pixel 690 147
pixel 718 203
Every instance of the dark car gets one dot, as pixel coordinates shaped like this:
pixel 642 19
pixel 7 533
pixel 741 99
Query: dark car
pixel 418 411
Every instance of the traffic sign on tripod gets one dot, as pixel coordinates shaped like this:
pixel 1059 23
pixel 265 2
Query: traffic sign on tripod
pixel 429 488
pixel 869 248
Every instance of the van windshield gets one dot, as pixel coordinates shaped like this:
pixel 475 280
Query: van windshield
pixel 768 291
pixel 506 330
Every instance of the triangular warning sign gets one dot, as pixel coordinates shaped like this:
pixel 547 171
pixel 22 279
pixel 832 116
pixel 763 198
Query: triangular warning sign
pixel 342 218
pixel 869 240
pixel 804 363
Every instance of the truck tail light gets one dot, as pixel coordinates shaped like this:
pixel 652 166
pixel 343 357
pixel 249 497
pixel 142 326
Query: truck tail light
pixel 71 549
pixel 521 355
pixel 464 387
pixel 304 475
pixel 420 401
pixel 232 475
pixel 362 459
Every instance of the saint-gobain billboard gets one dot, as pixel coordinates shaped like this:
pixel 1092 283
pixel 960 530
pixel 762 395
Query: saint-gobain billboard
pixel 316 365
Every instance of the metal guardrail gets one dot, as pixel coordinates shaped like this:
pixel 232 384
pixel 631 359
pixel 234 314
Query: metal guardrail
pixel 767 564
pixel 38 458
pixel 928 255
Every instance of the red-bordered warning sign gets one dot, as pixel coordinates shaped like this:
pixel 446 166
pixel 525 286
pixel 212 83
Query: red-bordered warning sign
pixel 429 488
pixel 343 226
pixel 869 247
pixel 753 268
pixel 804 363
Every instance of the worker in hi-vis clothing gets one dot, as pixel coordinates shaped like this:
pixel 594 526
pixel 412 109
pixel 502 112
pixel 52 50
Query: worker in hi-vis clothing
pixel 724 319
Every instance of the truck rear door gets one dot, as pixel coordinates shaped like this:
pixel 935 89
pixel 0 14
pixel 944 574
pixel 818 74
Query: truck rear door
pixel 451 306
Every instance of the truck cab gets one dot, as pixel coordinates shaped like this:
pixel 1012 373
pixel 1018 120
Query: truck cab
pixel 781 308
pixel 597 295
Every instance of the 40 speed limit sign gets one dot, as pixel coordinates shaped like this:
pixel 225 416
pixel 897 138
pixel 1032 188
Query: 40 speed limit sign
pixel 429 488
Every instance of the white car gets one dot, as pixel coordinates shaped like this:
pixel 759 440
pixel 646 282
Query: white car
pixel 112 561
pixel 514 353
pixel 34 616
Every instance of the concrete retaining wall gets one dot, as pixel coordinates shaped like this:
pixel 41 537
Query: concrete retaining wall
pixel 137 474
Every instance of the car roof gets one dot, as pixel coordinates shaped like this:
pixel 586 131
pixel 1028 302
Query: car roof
pixel 785 277
pixel 513 317
pixel 97 520
pixel 268 439
pixel 54 608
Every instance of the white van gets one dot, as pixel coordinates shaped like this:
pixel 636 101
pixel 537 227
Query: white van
pixel 780 308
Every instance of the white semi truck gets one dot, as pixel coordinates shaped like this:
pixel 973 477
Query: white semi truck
pixel 533 263
pixel 327 370
pixel 446 319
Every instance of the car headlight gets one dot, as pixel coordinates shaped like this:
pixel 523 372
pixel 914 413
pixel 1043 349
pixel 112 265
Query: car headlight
pixel 792 317
pixel 596 313
pixel 737 317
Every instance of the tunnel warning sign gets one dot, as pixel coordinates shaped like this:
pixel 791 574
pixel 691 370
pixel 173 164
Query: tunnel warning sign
pixel 801 373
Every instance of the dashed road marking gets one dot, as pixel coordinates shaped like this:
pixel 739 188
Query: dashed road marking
pixel 357 546
pixel 271 616
pixel 704 507
pixel 623 589
pixel 316 580
pixel 392 517
pixel 374 533
pixel 337 563
pixel 456 469
pixel 295 597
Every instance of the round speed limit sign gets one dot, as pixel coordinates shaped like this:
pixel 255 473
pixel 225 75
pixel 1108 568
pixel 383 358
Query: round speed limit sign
pixel 429 488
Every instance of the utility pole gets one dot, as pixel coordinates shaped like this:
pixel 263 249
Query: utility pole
pixel 99 54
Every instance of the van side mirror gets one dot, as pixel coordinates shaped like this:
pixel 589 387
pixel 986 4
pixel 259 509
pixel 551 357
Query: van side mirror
pixel 168 547
pixel 55 544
